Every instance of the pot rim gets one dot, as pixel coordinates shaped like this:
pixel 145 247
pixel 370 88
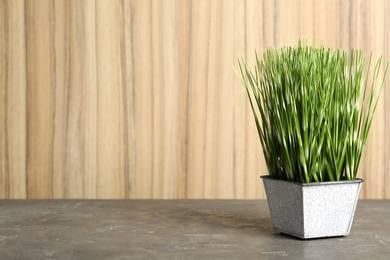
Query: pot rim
pixel 357 180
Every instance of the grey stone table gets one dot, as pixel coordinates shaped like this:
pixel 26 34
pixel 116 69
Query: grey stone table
pixel 176 229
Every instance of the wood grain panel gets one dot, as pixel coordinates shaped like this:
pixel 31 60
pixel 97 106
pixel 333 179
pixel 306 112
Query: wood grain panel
pixel 142 60
pixel 91 94
pixel 259 33
pixel 4 170
pixel 386 94
pixel 61 85
pixel 183 39
pixel 40 98
pixel 110 141
pixel 197 89
pixel 128 97
pixel 13 100
pixel 374 161
pixel 138 99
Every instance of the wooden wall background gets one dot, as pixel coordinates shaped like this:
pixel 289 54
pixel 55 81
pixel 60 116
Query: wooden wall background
pixel 138 99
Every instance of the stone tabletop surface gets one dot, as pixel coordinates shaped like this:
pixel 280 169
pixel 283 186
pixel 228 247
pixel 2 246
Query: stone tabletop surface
pixel 176 229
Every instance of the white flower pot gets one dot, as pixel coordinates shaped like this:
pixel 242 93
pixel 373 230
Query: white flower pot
pixel 312 210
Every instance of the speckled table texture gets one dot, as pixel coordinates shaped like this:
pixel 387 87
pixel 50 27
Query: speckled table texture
pixel 176 229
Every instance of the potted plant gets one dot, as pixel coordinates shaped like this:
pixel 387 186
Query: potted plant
pixel 313 109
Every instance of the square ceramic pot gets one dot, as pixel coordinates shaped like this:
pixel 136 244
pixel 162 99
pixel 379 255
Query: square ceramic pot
pixel 312 210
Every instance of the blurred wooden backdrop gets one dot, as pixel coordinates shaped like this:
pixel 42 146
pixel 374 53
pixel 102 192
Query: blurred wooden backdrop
pixel 138 99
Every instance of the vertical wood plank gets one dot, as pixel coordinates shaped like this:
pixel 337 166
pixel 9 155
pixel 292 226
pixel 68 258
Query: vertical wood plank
pixel 287 13
pixel 378 159
pixel 223 83
pixel 306 18
pixel 60 40
pixel 260 35
pixel 143 63
pixel 127 63
pixel 69 93
pixel 39 99
pixel 373 165
pixel 183 38
pixel 156 99
pixel 270 15
pixel 326 23
pixel 75 116
pixel 239 95
pixel 197 97
pixel 386 93
pixel 110 159
pixel 212 90
pixel 348 24
pixel 91 96
pixel 4 171
pixel 168 81
pixel 164 99
pixel 16 100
